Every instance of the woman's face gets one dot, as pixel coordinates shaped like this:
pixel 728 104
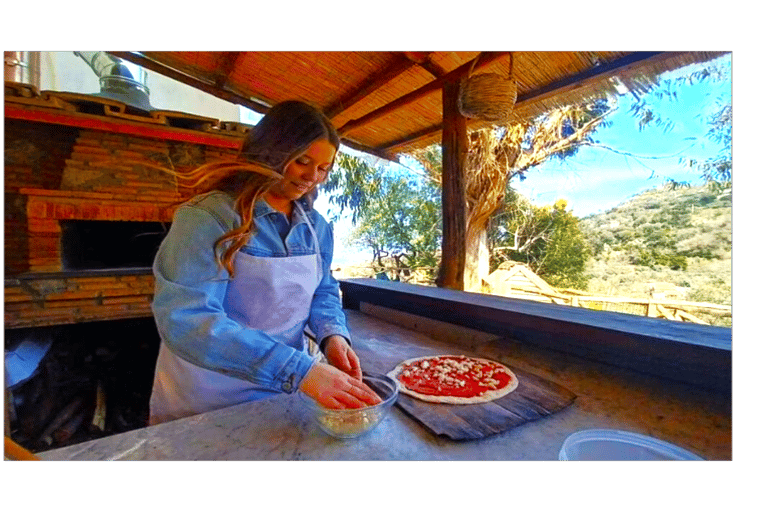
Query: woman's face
pixel 305 171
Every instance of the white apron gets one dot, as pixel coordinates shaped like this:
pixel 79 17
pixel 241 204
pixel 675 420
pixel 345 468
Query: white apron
pixel 272 295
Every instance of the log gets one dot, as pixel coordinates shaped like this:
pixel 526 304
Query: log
pixel 66 431
pixel 687 316
pixel 100 410
pixel 664 312
pixel 64 415
pixel 32 421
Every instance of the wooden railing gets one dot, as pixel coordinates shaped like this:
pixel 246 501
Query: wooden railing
pixel 670 309
pixel 653 307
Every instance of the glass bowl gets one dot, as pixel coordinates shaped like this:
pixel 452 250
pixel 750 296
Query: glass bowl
pixel 352 423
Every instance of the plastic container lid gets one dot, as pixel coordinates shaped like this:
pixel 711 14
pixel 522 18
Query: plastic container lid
pixel 620 445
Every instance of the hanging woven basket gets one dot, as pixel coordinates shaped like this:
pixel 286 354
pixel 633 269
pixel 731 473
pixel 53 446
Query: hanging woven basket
pixel 488 96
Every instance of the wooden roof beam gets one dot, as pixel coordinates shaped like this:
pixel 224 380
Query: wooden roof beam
pixel 583 79
pixel 370 85
pixel 371 151
pixel 400 66
pixel 146 63
pixel 211 89
pixel 424 59
pixel 227 63
pixel 435 85
pixel 411 137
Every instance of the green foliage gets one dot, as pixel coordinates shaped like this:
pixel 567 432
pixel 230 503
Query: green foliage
pixel 576 118
pixel 566 253
pixel 395 215
pixel 353 185
pixel 689 221
pixel 656 257
pixel 684 239
pixel 547 238
pixel 715 170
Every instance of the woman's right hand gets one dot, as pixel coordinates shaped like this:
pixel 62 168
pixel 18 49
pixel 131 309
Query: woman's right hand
pixel 334 389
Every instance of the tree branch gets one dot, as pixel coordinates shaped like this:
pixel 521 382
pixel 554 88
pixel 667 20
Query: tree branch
pixel 633 155
pixel 538 155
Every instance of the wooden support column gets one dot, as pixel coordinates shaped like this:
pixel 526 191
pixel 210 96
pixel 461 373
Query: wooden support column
pixel 451 274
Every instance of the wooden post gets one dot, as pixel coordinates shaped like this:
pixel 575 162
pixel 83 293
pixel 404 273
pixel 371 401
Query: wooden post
pixel 451 274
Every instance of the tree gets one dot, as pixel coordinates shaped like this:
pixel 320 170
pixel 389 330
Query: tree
pixel 396 216
pixel 548 239
pixel 498 153
pixel 381 204
pixel 717 170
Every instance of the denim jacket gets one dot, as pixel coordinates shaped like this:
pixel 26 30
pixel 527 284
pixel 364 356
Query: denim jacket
pixel 190 288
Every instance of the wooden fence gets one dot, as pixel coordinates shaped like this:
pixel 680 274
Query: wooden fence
pixel 670 309
pixel 532 288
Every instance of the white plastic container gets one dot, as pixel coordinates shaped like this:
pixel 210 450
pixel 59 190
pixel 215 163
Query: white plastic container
pixel 620 445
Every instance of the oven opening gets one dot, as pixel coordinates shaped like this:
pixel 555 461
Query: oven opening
pixel 68 384
pixel 97 244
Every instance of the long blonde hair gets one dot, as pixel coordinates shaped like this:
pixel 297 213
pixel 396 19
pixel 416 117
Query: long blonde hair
pixel 285 132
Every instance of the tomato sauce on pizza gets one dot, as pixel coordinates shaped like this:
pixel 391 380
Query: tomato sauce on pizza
pixel 454 379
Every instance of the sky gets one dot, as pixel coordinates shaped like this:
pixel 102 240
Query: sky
pixel 597 179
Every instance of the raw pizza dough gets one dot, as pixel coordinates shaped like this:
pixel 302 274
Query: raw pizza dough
pixel 439 371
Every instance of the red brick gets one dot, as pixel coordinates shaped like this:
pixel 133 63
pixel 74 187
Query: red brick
pixel 90 149
pixel 66 211
pixel 131 155
pixel 147 184
pixel 44 226
pixel 36 208
pixel 90 211
pixel 44 243
pixel 44 264
pixel 73 162
pixel 126 300
pixel 87 281
pixel 72 295
pixel 14 306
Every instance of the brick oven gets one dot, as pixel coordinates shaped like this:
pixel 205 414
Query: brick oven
pixel 86 206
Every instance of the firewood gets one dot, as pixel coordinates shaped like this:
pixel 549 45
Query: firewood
pixel 65 432
pixel 100 411
pixel 35 415
pixel 71 409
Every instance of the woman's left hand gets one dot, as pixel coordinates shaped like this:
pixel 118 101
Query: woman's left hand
pixel 340 354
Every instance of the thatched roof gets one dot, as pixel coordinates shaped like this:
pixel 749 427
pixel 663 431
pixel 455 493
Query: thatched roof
pixel 387 103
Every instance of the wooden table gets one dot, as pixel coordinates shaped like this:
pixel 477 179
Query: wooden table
pixel 282 429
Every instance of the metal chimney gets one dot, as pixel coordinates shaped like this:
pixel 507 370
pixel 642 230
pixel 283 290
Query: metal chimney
pixel 116 80
pixel 22 67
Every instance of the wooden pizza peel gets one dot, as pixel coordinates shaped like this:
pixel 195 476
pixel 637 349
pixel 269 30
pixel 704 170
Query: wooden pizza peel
pixel 533 399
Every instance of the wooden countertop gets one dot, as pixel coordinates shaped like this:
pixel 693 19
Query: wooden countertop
pixel 282 429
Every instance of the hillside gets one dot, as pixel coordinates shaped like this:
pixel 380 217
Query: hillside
pixel 680 236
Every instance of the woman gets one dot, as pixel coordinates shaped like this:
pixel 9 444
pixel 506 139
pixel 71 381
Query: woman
pixel 244 268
